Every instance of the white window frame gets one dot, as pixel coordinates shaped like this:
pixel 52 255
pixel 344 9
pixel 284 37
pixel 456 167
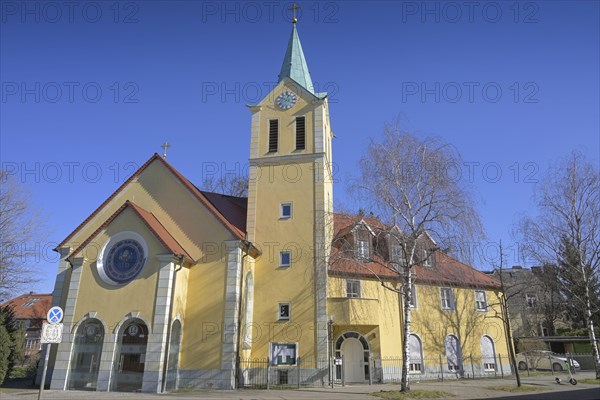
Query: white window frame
pixel 279 316
pixel 412 366
pixel 281 254
pixel 356 293
pixel 426 259
pixel 490 366
pixel 281 207
pixel 363 252
pixel 396 254
pixel 449 299
pixel 478 303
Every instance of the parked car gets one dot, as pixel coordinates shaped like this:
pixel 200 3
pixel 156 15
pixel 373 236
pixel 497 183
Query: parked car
pixel 541 360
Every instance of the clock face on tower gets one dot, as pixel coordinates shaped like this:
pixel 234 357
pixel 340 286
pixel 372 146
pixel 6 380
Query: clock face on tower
pixel 286 100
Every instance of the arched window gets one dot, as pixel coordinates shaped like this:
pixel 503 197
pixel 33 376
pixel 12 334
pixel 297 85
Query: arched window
pixel 488 353
pixel 130 356
pixel 248 312
pixel 173 360
pixel 85 361
pixel 415 354
pixel 453 353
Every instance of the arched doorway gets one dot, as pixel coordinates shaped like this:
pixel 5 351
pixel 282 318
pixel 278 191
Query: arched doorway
pixel 354 349
pixel 85 358
pixel 173 360
pixel 130 356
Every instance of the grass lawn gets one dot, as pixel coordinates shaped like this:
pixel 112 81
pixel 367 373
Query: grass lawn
pixel 591 381
pixel 516 389
pixel 412 394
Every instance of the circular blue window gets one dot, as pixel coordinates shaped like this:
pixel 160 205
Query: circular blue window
pixel 124 261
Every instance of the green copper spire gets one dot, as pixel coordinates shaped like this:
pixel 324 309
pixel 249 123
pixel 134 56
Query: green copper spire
pixel 294 64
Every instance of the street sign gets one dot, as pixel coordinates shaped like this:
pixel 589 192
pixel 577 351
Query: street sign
pixel 55 315
pixel 52 333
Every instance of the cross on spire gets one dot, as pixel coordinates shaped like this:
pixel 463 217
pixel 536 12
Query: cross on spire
pixel 165 146
pixel 294 8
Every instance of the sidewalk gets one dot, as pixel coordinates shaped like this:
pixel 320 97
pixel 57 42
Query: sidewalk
pixel 462 389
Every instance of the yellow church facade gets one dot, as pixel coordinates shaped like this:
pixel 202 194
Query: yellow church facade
pixel 165 286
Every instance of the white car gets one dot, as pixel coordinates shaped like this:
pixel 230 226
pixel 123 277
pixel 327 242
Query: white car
pixel 547 360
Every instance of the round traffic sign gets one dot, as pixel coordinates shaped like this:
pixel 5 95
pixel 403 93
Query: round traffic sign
pixel 55 315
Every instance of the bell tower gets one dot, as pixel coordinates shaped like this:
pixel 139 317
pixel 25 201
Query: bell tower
pixel 290 204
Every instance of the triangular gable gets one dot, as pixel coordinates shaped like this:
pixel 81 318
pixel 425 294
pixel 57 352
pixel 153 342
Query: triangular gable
pixel 232 228
pixel 153 225
pixel 300 91
pixel 363 223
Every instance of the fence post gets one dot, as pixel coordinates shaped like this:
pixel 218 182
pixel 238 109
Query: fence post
pixel 551 366
pixel 502 368
pixel 526 364
pixel 268 372
pixel 495 367
pixel 343 377
pixel 298 360
pixel 472 366
pixel 441 368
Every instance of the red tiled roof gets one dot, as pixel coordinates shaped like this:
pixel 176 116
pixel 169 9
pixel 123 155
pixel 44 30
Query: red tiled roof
pixel 220 211
pixel 343 223
pixel 445 270
pixel 235 208
pixel 153 224
pixel 27 307
pixel 341 263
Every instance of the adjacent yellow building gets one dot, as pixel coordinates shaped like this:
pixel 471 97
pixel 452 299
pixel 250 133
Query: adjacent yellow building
pixel 166 286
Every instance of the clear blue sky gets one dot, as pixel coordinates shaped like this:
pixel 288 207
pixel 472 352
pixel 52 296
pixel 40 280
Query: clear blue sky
pixel 91 89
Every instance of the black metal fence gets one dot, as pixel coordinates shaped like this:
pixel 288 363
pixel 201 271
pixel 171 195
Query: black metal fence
pixel 389 369
pixel 260 373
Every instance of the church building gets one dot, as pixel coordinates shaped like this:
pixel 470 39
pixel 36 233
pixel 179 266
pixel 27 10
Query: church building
pixel 166 286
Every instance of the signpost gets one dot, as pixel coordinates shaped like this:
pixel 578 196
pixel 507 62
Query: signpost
pixel 51 333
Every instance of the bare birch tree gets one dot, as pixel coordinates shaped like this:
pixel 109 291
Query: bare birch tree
pixel 18 228
pixel 414 186
pixel 568 222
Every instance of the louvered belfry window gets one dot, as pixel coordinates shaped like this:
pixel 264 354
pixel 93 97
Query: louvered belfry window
pixel 300 133
pixel 273 135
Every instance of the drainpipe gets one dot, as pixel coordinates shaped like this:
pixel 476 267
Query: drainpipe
pixel 239 324
pixel 168 342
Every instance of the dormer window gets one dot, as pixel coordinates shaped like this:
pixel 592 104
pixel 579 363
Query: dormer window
pixel 31 302
pixel 396 254
pixel 426 259
pixel 363 249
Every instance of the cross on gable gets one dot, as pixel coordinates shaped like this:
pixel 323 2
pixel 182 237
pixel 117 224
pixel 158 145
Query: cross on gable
pixel 165 146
